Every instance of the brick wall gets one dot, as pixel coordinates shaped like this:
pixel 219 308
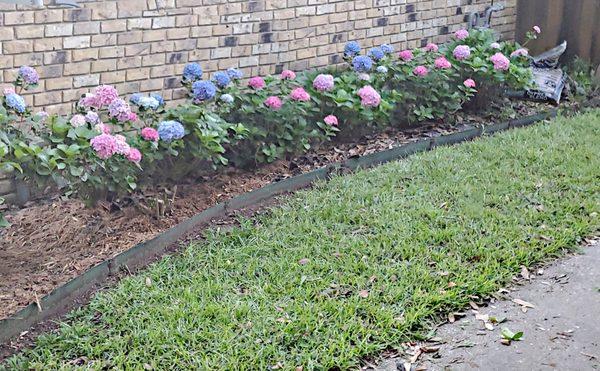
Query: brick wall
pixel 142 45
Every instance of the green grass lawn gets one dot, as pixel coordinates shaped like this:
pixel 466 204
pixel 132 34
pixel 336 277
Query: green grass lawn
pixel 354 266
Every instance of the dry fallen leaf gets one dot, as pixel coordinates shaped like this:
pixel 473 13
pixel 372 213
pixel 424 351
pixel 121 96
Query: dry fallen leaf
pixel 303 261
pixel 148 281
pixel 525 272
pixel 473 305
pixel 523 303
pixel 363 294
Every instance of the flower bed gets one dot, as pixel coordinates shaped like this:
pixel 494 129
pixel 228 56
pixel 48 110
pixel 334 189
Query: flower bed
pixel 111 148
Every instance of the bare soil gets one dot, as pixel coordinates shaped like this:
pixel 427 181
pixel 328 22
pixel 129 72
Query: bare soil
pixel 54 240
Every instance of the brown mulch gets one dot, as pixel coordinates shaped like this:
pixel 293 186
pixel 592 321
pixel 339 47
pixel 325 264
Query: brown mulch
pixel 53 241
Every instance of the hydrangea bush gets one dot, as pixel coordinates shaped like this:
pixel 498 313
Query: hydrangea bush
pixel 111 144
pixel 494 66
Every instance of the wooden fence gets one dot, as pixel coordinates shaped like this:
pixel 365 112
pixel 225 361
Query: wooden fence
pixel 577 21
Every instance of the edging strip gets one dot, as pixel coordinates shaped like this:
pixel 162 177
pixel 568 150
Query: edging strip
pixel 65 297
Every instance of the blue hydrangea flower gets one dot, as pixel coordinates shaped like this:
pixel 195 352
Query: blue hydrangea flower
pixel 387 48
pixel 135 98
pixel 227 98
pixel 234 73
pixel 16 102
pixel 351 49
pixel 362 63
pixel 222 79
pixel 170 130
pixel 382 69
pixel 159 98
pixel 149 103
pixel 192 72
pixel 203 90
pixel 376 54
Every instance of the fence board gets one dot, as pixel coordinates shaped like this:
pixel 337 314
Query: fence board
pixel 576 21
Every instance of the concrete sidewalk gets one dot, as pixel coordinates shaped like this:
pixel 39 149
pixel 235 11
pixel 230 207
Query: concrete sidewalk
pixel 561 331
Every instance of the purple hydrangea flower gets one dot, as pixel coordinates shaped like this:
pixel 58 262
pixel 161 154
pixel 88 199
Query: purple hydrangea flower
pixel 376 54
pixel 362 63
pixel 387 48
pixel 351 49
pixel 234 73
pixel 29 75
pixel 16 102
pixel 462 52
pixel 222 79
pixel 135 98
pixel 192 72
pixel 120 110
pixel 92 118
pixel 203 90
pixel 323 82
pixel 170 130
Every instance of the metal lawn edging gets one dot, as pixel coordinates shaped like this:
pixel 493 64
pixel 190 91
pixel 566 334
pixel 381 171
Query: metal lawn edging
pixel 66 296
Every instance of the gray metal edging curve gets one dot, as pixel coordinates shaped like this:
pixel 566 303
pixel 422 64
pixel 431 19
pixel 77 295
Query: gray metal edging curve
pixel 65 297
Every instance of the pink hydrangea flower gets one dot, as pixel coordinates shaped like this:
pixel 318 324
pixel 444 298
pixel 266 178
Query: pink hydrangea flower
pixel 122 147
pixel 406 55
pixel 323 82
pixel 462 52
pixel 273 103
pixel 500 62
pixel 369 97
pixel 331 120
pixel 102 128
pixel 8 91
pixel 299 94
pixel 77 120
pixel 43 115
pixel 495 46
pixel 522 52
pixel 88 100
pixel 105 95
pixel 421 71
pixel 469 83
pixel 132 117
pixel 105 145
pixel 537 29
pixel 431 47
pixel 150 134
pixel 461 34
pixel 256 82
pixel 288 75
pixel 442 63
pixel 364 77
pixel 134 155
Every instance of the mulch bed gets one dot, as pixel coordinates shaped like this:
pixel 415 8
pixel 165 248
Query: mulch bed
pixel 55 240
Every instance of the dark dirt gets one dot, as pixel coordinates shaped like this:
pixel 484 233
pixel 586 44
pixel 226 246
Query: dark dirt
pixel 53 241
pixel 560 330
